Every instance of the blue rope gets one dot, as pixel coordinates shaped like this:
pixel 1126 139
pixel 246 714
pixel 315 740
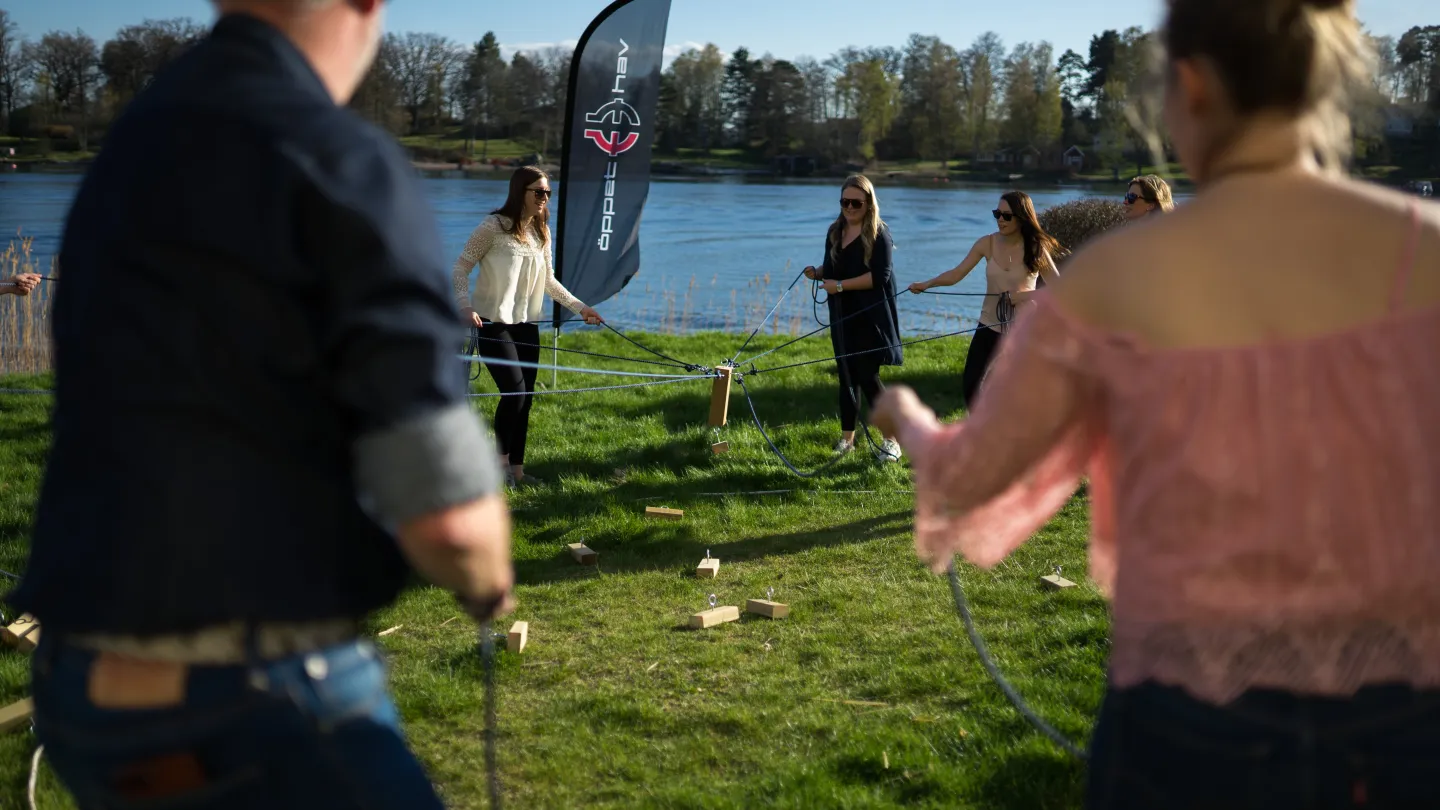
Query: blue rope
pixel 756 416
pixel 661 355
pixel 768 316
pixel 1018 702
pixel 811 333
pixel 475 336
pixel 754 371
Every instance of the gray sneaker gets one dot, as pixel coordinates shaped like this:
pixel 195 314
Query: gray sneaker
pixel 528 482
pixel 890 451
pixel 842 447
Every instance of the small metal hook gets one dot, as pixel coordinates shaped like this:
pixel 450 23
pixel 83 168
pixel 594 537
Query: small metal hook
pixel 712 601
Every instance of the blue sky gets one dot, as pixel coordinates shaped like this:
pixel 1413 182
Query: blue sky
pixel 784 28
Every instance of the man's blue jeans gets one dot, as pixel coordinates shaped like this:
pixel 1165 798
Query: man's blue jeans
pixel 310 731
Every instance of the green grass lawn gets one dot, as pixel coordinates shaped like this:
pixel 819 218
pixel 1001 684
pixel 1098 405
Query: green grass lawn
pixel 867 696
pixel 497 148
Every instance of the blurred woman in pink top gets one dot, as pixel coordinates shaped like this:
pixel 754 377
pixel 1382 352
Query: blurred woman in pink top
pixel 1252 386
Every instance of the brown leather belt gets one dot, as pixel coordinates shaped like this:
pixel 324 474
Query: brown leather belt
pixel 224 645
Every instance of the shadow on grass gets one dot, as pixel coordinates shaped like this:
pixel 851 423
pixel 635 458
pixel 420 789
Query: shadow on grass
pixel 1032 781
pixel 811 406
pixel 678 547
pixel 780 396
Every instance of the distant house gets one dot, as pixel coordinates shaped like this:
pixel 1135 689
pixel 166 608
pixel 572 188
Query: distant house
pixel 1399 122
pixel 996 158
pixel 1018 157
pixel 1073 159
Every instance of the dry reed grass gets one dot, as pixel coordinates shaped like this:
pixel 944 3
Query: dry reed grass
pixel 25 346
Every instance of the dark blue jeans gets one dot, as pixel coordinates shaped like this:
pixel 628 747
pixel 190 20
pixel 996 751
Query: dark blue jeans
pixel 317 730
pixel 1157 747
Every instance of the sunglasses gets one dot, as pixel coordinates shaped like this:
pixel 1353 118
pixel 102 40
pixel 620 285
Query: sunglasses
pixel 1131 198
pixel 846 202
pixel 998 214
pixel 540 193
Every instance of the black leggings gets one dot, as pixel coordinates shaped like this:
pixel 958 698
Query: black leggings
pixel 859 372
pixel 977 361
pixel 512 416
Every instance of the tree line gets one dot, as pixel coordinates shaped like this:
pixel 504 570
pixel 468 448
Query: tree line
pixel 927 100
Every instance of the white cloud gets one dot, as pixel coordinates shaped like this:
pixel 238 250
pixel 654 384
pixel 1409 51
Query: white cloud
pixel 509 51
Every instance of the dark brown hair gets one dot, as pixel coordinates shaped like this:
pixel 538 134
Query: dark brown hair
pixel 514 207
pixel 1297 57
pixel 1035 236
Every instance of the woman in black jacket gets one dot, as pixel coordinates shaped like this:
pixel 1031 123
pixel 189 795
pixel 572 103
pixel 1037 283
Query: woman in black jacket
pixel 858 274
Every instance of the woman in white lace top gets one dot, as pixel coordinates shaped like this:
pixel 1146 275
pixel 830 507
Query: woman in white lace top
pixel 512 247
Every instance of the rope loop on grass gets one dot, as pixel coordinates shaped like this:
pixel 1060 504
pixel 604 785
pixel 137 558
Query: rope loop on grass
pixel 986 661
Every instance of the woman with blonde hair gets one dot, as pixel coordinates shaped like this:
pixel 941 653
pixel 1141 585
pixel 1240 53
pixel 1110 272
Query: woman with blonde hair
pixel 1148 194
pixel 512 247
pixel 1258 415
pixel 1017 256
pixel 859 279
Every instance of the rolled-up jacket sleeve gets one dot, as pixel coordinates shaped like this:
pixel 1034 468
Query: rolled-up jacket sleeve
pixel 390 335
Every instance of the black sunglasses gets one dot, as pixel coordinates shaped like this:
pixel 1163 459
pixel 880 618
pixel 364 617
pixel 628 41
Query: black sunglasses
pixel 846 202
pixel 998 214
pixel 540 193
pixel 1131 198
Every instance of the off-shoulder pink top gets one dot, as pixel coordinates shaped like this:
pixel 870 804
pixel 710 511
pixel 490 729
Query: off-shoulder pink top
pixel 1263 516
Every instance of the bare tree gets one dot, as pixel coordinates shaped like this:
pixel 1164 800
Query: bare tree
pixel 14 67
pixel 68 67
pixel 420 65
pixel 378 97
pixel 138 53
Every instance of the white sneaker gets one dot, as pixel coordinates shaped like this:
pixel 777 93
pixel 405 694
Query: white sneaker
pixel 890 450
pixel 842 447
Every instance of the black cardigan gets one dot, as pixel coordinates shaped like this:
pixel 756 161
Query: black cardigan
pixel 877 326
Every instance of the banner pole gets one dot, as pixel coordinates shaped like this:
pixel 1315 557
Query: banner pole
pixel 555 358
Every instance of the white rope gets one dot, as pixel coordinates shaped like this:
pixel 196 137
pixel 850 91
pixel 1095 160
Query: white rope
pixel 34 775
pixel 585 390
pixel 500 361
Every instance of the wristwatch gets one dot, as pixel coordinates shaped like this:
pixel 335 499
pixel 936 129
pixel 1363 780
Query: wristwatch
pixel 839 286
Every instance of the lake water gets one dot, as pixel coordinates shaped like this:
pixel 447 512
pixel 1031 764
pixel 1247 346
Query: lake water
pixel 715 253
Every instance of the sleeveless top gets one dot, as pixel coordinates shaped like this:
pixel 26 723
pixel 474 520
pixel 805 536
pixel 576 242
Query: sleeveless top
pixel 1264 516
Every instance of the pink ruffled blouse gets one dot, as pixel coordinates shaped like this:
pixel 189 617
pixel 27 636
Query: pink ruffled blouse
pixel 1264 516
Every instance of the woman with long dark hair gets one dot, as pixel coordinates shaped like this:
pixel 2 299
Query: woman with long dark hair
pixel 1258 413
pixel 512 247
pixel 859 277
pixel 1016 256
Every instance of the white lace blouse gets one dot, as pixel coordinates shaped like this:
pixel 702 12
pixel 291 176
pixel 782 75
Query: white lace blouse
pixel 514 275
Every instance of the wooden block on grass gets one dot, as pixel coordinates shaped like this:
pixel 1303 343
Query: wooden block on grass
pixel 23 633
pixel 720 447
pixel 764 607
pixel 16 714
pixel 709 568
pixel 714 616
pixel 1056 582
pixel 583 554
pixel 519 634
pixel 720 396
pixel 664 512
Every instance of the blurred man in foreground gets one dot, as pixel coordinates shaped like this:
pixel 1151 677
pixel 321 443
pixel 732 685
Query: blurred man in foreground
pixel 259 421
